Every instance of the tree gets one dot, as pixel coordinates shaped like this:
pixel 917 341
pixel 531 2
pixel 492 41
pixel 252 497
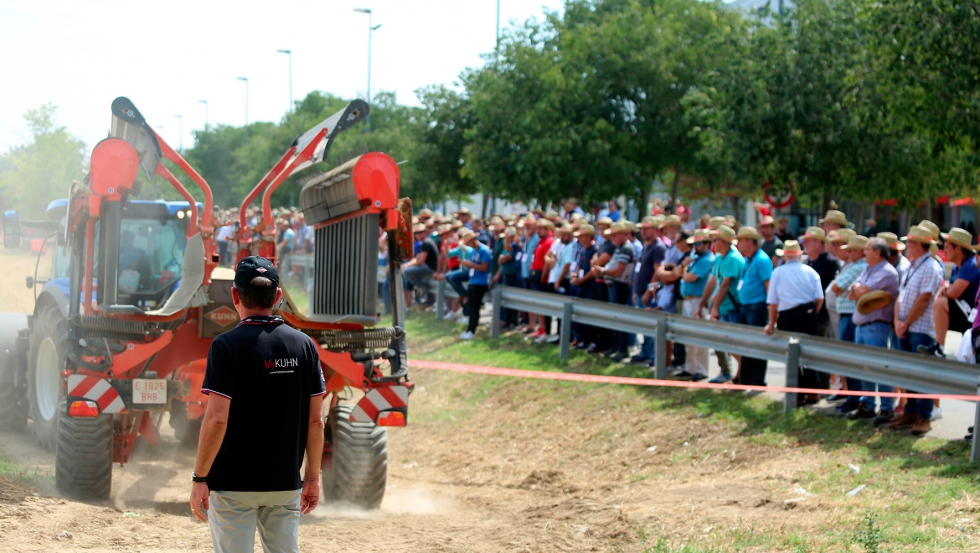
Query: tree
pixel 33 175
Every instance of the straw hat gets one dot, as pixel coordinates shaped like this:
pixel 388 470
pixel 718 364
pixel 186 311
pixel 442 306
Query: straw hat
pixel 725 233
pixel 649 222
pixel 457 224
pixel 706 217
pixel 919 234
pixel 716 222
pixel 584 230
pixel 605 221
pixel 509 231
pixel 672 220
pixel 419 228
pixel 893 241
pixel 748 233
pixel 856 242
pixel 933 228
pixel 767 220
pixel 544 223
pixel 699 235
pixel 959 237
pixel 630 226
pixel 834 216
pixel 463 211
pixel 790 247
pixel 444 229
pixel 814 233
pixel 840 236
pixel 616 227
pixel 425 213
pixel 875 299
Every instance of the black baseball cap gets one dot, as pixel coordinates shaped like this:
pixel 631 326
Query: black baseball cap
pixel 255 266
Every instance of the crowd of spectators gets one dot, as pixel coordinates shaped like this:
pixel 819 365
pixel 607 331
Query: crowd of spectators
pixel 880 290
pixel 293 235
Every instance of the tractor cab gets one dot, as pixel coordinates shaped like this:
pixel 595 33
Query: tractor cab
pixel 151 252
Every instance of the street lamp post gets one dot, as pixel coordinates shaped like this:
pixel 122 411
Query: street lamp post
pixel 181 119
pixel 371 29
pixel 290 54
pixel 246 105
pixel 205 102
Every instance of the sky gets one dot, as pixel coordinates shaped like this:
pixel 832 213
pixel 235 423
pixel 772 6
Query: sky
pixel 168 56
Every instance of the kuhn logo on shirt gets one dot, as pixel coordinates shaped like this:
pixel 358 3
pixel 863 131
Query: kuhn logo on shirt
pixel 281 363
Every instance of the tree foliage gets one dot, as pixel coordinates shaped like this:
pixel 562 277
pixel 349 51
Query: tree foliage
pixel 42 170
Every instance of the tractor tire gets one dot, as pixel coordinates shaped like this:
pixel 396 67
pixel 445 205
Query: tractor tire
pixel 83 457
pixel 358 471
pixel 186 431
pixel 45 361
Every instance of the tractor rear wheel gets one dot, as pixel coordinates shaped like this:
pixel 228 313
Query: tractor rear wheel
pixel 358 471
pixel 186 430
pixel 46 360
pixel 83 457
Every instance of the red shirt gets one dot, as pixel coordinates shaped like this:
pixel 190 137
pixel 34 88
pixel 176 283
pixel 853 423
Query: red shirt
pixel 544 246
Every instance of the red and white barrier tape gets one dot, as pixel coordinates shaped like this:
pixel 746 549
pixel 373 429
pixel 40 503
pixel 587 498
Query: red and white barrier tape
pixel 600 379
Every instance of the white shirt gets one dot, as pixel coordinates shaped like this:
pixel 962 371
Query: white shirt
pixel 225 232
pixel 794 284
pixel 556 247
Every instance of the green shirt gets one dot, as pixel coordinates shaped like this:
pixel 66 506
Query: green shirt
pixel 729 266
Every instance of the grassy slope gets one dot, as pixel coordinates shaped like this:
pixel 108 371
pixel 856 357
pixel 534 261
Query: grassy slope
pixel 920 490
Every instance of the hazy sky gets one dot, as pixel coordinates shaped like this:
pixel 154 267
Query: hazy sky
pixel 166 56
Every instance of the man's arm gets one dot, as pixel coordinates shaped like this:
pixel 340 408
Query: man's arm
pixel 708 290
pixel 720 296
pixel 310 496
pixel 212 434
pixel 773 316
pixel 956 289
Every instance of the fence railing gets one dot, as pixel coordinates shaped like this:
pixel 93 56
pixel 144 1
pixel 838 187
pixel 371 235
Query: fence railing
pixel 923 374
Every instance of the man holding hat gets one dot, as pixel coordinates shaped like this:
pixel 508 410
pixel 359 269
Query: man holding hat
pixel 242 486
pixel 914 323
pixel 874 291
pixel 853 269
pixel 753 289
pixel 954 304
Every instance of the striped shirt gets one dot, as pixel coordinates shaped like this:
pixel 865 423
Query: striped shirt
pixel 925 276
pixel 845 278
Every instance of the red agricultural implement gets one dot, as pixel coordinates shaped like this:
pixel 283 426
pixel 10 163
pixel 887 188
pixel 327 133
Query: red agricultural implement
pixel 348 208
pixel 121 329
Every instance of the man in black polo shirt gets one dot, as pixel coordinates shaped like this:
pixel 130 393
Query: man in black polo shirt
pixel 265 409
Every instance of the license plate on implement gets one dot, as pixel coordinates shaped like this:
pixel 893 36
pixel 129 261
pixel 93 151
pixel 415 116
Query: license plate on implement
pixel 149 390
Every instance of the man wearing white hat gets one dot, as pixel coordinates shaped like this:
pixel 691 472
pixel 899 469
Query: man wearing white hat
pixel 795 297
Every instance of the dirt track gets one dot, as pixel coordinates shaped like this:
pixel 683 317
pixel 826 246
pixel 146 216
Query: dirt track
pixel 515 471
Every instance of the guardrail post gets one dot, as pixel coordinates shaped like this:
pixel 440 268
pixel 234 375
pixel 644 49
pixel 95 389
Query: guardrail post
pixel 498 300
pixel 566 329
pixel 792 373
pixel 660 350
pixel 975 446
pixel 441 300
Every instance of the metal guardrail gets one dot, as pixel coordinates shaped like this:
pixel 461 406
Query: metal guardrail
pixel 921 373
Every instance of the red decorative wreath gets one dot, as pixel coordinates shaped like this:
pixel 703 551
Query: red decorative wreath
pixel 786 201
